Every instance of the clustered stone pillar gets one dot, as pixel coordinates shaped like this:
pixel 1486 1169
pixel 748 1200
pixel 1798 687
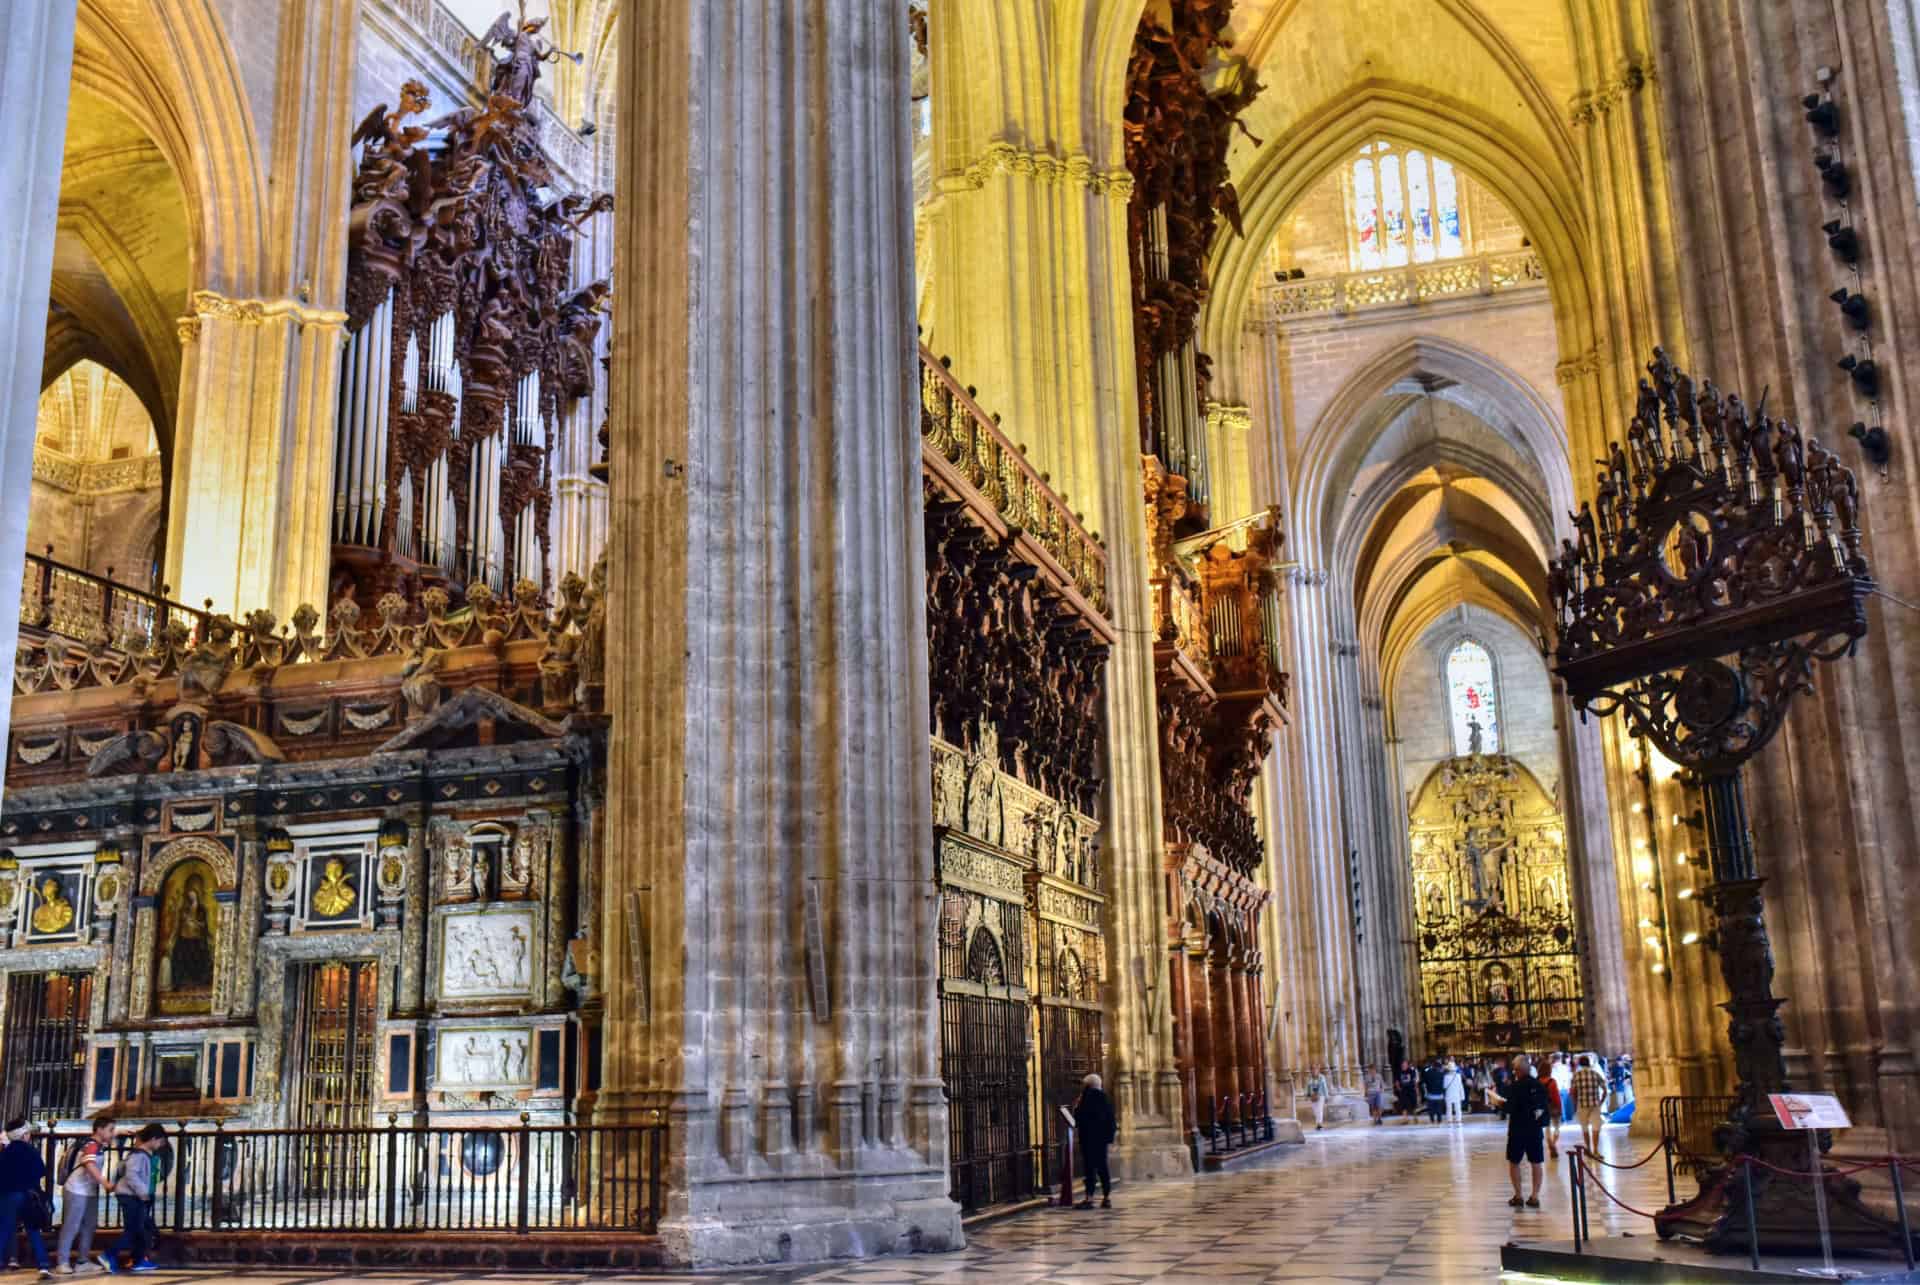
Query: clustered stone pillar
pixel 767 927
pixel 36 65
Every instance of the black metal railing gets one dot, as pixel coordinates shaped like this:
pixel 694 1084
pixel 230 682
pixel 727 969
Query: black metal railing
pixel 58 599
pixel 522 1178
pixel 1000 1178
pixel 1687 1127
pixel 1239 1122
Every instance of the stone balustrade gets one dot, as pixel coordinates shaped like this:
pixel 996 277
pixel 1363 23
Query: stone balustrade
pixel 1486 274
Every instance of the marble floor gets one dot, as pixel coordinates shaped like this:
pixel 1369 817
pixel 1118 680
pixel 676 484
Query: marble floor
pixel 1355 1203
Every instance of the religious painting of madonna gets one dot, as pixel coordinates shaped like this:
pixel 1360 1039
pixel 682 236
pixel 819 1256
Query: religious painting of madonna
pixel 189 924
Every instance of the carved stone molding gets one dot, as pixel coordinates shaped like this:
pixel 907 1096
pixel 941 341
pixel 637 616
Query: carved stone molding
pixel 208 305
pixel 1001 157
pixel 1630 77
pixel 1577 367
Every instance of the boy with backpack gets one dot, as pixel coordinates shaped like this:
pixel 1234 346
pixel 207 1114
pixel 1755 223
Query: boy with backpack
pixel 134 1186
pixel 82 1182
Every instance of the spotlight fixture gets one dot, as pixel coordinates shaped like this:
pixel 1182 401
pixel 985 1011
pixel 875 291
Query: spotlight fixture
pixel 1853 306
pixel 1833 173
pixel 1689 939
pixel 1865 375
pixel 1822 114
pixel 1842 240
pixel 588 128
pixel 1658 967
pixel 1873 442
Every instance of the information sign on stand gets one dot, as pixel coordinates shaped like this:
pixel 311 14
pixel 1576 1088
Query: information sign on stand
pixel 1065 1199
pixel 1809 1111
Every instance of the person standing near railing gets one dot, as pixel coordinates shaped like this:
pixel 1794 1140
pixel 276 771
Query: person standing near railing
pixel 1093 1113
pixel 134 1187
pixel 1526 1104
pixel 23 1176
pixel 1589 1095
pixel 83 1181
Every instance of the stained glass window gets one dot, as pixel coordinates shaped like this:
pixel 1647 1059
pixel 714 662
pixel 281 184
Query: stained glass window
pixel 1472 702
pixel 1403 207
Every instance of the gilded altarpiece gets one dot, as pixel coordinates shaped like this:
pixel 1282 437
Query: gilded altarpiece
pixel 1494 926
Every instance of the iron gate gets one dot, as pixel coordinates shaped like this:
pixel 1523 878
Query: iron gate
pixel 984 1058
pixel 48 1017
pixel 1069 1052
pixel 335 1070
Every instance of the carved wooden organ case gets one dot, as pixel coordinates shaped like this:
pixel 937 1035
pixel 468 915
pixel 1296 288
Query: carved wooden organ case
pixel 469 346
pixel 1184 100
pixel 1017 642
pixel 1494 925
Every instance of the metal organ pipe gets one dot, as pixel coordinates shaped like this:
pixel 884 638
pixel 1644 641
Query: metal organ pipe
pixel 360 434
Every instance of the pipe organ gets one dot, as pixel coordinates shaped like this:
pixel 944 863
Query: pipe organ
pixel 469 343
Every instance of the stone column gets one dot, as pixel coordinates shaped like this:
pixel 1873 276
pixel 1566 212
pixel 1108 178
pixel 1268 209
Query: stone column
pixel 768 913
pixel 36 65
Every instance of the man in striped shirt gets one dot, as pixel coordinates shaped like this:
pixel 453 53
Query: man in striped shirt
pixel 1589 1100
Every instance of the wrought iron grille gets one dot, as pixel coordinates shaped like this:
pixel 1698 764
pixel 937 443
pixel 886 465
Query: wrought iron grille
pixel 48 1016
pixel 512 1177
pixel 335 1062
pixel 985 1013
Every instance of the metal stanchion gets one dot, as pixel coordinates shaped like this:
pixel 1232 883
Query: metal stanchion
pixel 1900 1205
pixel 1666 1145
pixel 1573 1190
pixel 1753 1228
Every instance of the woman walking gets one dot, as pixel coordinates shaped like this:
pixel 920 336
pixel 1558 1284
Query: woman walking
pixel 1376 1093
pixel 1453 1085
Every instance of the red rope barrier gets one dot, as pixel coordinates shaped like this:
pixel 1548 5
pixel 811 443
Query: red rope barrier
pixel 1830 1173
pixel 1615 1199
pixel 1587 1155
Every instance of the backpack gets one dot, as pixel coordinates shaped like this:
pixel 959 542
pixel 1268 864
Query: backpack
pixel 162 1165
pixel 70 1160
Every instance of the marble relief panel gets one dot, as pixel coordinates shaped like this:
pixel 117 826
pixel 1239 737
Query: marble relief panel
pixel 484 1057
pixel 487 955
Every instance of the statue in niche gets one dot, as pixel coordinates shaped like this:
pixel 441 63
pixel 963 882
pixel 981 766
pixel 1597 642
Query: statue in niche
pixel 1499 994
pixel 479 870
pixel 189 919
pixel 1436 903
pixel 54 914
pixel 983 787
pixel 949 790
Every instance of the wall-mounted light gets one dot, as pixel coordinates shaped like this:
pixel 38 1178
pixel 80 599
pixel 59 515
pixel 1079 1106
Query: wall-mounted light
pixel 1842 240
pixel 1853 306
pixel 1822 114
pixel 1685 894
pixel 1873 442
pixel 1689 939
pixel 1659 967
pixel 1833 175
pixel 1864 373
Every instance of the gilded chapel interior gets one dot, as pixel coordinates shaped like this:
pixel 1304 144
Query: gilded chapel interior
pixel 649 629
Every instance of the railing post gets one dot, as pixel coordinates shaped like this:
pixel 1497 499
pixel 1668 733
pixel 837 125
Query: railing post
pixel 215 1195
pixel 1753 1229
pixel 1900 1207
pixel 1666 1145
pixel 525 1166
pixel 393 1170
pixel 179 1177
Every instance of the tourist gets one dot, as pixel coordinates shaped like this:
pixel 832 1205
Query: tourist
pixel 1455 1089
pixel 82 1182
pixel 1093 1113
pixel 22 1198
pixel 1434 1081
pixel 1497 1084
pixel 1376 1086
pixel 1589 1100
pixel 1562 1073
pixel 134 1187
pixel 1527 1115
pixel 1552 1087
pixel 1406 1092
pixel 1317 1097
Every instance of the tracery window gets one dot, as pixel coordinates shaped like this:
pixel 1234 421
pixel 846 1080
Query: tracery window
pixel 1403 206
pixel 1473 703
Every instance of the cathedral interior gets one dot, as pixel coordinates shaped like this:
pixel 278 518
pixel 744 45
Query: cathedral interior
pixel 698 609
